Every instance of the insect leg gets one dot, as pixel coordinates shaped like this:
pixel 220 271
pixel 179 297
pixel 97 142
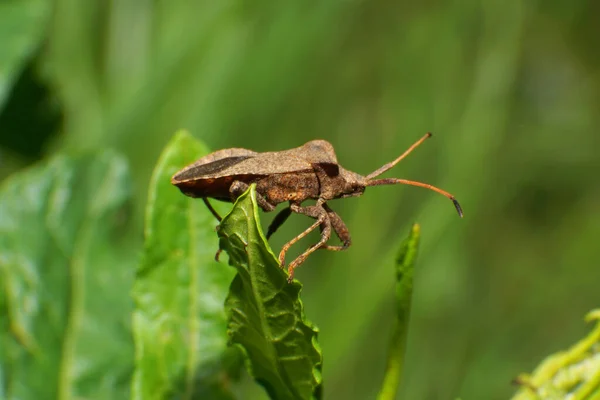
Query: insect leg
pixel 325 235
pixel 211 209
pixel 318 212
pixel 340 229
pixel 308 230
pixel 218 254
pixel 239 187
pixel 278 221
pixel 218 217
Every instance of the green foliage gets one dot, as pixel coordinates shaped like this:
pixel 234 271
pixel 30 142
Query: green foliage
pixel 266 316
pixel 510 90
pixel 405 267
pixel 62 266
pixel 66 278
pixel 22 28
pixel 573 374
pixel 179 291
pixel 181 328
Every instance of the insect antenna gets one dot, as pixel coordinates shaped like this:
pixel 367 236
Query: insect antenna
pixel 393 181
pixel 397 160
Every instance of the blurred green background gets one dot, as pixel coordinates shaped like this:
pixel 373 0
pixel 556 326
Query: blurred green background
pixel 511 90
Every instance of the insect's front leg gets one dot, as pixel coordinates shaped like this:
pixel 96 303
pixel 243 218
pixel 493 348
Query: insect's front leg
pixel 340 229
pixel 239 187
pixel 318 212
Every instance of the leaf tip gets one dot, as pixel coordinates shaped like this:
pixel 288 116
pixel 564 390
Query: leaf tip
pixel 415 231
pixel 181 134
pixel 593 315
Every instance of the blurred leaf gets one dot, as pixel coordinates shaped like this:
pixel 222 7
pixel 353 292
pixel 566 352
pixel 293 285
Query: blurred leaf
pixel 573 374
pixel 179 321
pixel 266 316
pixel 22 26
pixel 65 278
pixel 31 115
pixel 405 265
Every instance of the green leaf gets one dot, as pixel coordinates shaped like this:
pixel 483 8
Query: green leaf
pixel 266 316
pixel 179 321
pixel 65 276
pixel 405 265
pixel 573 374
pixel 22 26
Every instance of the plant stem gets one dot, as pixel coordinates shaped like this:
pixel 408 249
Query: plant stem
pixel 404 285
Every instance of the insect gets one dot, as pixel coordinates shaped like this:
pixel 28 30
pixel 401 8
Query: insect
pixel 307 172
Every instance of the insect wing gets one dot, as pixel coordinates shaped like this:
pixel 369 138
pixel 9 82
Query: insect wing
pixel 211 170
pixel 270 163
pixel 242 162
pixel 212 164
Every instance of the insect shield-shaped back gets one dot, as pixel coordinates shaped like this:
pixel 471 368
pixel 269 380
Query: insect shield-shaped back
pixel 213 175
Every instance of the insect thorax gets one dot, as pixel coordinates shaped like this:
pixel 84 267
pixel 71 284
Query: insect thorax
pixel 279 188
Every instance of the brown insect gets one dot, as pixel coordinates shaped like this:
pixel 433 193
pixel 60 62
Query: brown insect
pixel 310 171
